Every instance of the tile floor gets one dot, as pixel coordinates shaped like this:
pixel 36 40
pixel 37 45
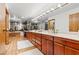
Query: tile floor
pixel 32 52
pixel 25 44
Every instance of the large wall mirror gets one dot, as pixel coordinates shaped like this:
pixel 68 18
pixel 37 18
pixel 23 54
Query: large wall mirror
pixel 51 24
pixel 74 22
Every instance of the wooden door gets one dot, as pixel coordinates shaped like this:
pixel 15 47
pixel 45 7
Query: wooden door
pixel 2 23
pixel 7 40
pixel 71 51
pixel 58 49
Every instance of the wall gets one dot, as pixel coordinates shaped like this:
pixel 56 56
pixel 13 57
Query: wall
pixel 62 20
pixel 42 25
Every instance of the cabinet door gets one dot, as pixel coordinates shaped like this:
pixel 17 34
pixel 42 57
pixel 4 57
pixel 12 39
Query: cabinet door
pixel 58 49
pixel 59 40
pixel 38 46
pixel 50 47
pixel 72 43
pixel 44 46
pixel 38 37
pixel 28 34
pixel 71 51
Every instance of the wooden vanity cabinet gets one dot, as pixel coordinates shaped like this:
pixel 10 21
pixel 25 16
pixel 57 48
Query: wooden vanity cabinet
pixel 72 43
pixel 35 39
pixel 44 46
pixel 43 42
pixel 50 47
pixel 32 36
pixel 71 51
pixel 38 41
pixel 28 35
pixel 58 49
pixel 38 38
pixel 54 45
pixel 65 46
pixel 47 44
pixel 59 46
pixel 71 47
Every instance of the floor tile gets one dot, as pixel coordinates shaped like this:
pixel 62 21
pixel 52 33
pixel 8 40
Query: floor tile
pixel 24 44
pixel 32 52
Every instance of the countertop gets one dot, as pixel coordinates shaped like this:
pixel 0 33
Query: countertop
pixel 63 35
pixel 17 31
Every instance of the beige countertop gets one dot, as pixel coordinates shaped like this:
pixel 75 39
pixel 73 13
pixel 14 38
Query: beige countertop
pixel 64 35
pixel 14 31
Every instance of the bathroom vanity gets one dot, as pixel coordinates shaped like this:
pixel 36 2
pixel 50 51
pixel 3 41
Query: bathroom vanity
pixel 54 44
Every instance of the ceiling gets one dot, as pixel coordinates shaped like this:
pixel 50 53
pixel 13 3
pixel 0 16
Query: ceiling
pixel 30 9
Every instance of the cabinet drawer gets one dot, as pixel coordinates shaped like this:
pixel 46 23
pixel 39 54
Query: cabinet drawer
pixel 44 46
pixel 39 42
pixel 38 35
pixel 38 46
pixel 71 51
pixel 34 43
pixel 59 40
pixel 38 38
pixel 58 49
pixel 47 37
pixel 72 43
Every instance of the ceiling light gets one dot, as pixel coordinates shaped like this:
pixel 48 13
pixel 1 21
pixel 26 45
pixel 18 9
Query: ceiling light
pixel 48 11
pixel 52 9
pixel 59 5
